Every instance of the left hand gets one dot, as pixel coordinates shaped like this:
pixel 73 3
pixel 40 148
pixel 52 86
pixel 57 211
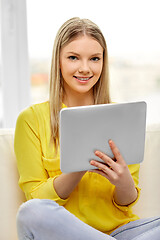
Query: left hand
pixel 116 171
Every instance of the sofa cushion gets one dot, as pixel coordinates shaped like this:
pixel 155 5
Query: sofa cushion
pixel 11 194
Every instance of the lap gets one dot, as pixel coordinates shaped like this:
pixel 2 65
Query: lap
pixel 136 228
pixel 30 217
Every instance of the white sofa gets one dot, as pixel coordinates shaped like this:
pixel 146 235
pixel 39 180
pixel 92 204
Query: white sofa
pixel 12 196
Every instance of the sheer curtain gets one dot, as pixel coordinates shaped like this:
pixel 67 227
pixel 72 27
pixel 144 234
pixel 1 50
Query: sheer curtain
pixel 15 81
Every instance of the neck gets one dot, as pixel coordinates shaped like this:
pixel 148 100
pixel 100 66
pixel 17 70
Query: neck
pixel 78 100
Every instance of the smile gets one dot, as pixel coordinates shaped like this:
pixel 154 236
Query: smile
pixel 83 78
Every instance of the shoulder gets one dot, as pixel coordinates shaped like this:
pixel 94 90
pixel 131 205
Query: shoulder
pixel 33 115
pixel 41 108
pixel 34 111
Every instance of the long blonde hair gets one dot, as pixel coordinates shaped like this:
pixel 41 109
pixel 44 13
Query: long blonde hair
pixel 71 29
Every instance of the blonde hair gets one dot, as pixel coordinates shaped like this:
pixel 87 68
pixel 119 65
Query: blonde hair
pixel 71 29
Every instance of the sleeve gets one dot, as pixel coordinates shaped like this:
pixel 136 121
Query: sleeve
pixel 134 170
pixel 34 179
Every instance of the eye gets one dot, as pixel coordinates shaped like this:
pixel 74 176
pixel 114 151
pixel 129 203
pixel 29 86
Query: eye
pixel 73 58
pixel 95 59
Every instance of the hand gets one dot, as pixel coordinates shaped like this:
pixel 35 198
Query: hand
pixel 117 172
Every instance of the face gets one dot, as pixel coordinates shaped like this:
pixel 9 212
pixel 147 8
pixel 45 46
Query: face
pixel 81 63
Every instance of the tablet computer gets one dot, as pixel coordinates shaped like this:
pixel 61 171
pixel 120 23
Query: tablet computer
pixel 85 129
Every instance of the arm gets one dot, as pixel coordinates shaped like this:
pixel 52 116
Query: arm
pixel 34 178
pixel 65 183
pixel 118 174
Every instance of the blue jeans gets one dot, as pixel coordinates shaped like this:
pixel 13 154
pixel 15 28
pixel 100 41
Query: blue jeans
pixel 46 220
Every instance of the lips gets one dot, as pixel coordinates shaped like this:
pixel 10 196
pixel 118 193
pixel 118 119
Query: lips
pixel 82 78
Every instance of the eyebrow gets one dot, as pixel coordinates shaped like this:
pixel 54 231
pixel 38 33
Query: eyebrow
pixel 74 53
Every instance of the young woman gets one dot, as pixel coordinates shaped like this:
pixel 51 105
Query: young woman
pixel 90 205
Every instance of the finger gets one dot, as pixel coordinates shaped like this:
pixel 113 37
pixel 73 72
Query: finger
pixel 101 166
pixel 107 160
pixel 110 175
pixel 100 172
pixel 116 152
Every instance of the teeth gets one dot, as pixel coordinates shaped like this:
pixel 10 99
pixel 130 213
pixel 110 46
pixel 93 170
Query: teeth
pixel 83 79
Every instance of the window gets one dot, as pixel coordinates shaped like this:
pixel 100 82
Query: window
pixel 132 81
pixel 132 39
pixel 15 85
pixel 133 45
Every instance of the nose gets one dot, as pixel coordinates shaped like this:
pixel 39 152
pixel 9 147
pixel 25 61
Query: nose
pixel 84 67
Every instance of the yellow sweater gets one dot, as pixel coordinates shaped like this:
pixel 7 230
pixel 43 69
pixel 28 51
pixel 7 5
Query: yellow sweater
pixel 92 200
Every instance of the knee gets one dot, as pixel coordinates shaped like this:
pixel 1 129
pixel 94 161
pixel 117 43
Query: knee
pixel 32 211
pixel 26 211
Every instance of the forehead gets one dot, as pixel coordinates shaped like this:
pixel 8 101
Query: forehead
pixel 82 44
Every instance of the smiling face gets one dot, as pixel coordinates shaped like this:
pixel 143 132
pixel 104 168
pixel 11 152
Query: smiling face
pixel 81 63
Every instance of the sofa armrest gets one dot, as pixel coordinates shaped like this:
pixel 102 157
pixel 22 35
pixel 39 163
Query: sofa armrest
pixel 11 195
pixel 148 204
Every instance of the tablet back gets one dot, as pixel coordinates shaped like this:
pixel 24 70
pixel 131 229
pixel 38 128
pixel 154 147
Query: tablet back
pixel 85 129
